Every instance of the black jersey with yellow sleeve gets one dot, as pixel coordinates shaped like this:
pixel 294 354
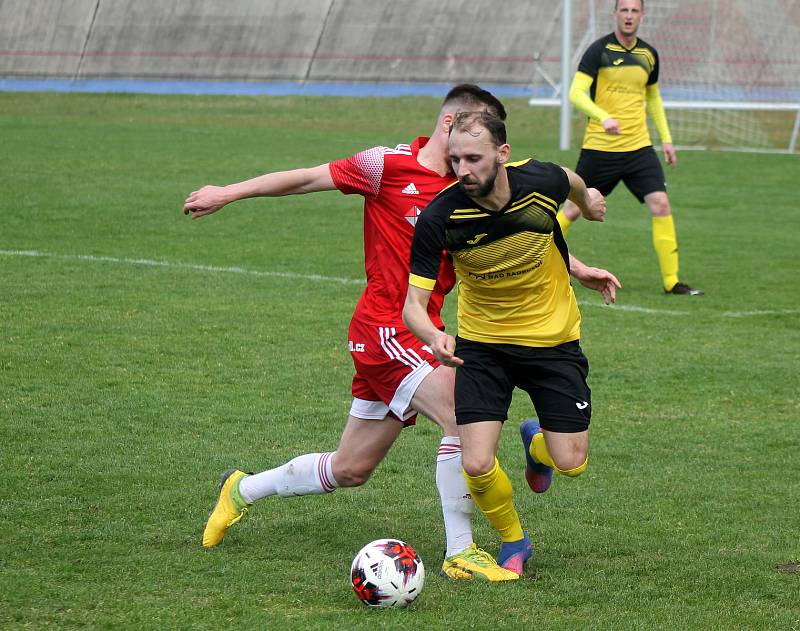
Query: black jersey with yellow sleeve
pixel 621 76
pixel 512 264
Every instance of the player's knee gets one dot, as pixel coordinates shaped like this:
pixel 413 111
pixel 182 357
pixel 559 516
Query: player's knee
pixel 477 464
pixel 349 474
pixel 573 467
pixel 659 206
pixel 571 461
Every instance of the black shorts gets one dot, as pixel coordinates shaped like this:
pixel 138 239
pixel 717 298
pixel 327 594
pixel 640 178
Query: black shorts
pixel 554 378
pixel 640 170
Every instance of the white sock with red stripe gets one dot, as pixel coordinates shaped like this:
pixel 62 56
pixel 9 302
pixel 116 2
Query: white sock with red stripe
pixel 457 504
pixel 309 474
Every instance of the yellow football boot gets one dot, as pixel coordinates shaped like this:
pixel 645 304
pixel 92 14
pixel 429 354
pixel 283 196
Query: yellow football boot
pixel 230 509
pixel 473 563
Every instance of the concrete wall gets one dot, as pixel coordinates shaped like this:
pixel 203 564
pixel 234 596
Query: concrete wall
pixel 446 40
pixel 267 40
pixel 235 39
pixel 703 45
pixel 41 38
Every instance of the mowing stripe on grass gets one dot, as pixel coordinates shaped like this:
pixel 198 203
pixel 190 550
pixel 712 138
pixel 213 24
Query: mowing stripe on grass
pixel 348 281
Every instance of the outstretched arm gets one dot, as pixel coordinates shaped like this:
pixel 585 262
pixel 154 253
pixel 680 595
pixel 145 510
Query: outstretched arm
pixel 591 203
pixel 210 199
pixel 415 315
pixel 595 278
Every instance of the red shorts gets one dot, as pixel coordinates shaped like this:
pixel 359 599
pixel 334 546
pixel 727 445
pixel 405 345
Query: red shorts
pixel 390 364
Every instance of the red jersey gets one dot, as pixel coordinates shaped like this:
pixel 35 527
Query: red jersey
pixel 395 188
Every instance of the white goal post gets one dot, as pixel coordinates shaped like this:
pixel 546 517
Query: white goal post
pixel 729 76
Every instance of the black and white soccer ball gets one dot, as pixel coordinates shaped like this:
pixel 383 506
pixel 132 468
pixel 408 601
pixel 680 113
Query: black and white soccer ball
pixel 387 573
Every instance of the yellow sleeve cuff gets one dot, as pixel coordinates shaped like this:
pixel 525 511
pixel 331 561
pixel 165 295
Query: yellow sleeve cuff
pixel 655 107
pixel 421 282
pixel 579 97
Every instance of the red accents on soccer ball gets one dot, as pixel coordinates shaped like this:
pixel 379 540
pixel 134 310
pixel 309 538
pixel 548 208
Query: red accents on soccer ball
pixel 387 573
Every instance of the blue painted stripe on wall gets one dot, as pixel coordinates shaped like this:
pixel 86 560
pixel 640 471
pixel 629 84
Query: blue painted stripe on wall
pixel 243 88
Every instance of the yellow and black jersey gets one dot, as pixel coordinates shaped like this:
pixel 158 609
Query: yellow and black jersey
pixel 512 264
pixel 620 77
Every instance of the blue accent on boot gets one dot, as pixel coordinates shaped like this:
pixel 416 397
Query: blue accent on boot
pixel 515 554
pixel 538 475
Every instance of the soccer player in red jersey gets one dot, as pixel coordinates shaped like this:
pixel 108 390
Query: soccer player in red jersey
pixel 396 376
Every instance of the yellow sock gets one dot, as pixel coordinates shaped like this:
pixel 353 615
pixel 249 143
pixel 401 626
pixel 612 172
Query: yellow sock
pixel 574 473
pixel 539 450
pixel 492 493
pixel 666 246
pixel 540 454
pixel 563 221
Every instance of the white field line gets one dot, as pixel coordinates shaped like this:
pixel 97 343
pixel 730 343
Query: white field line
pixel 633 308
pixel 759 312
pixel 350 281
pixel 178 265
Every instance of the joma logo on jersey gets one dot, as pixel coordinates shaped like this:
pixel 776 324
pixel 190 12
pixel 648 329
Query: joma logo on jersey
pixel 476 238
pixel 618 61
pixel 355 348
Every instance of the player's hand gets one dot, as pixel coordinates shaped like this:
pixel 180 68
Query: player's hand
pixel 207 200
pixel 600 280
pixel 611 126
pixel 595 205
pixel 669 154
pixel 443 347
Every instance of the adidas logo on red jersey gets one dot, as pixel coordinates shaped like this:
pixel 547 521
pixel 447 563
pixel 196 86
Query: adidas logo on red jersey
pixel 410 189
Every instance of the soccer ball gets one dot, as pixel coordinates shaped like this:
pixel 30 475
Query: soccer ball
pixel 387 573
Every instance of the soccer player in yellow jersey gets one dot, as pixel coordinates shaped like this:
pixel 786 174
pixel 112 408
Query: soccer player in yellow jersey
pixel 620 74
pixel 518 321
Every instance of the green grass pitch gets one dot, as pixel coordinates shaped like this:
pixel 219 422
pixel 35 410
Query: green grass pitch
pixel 142 353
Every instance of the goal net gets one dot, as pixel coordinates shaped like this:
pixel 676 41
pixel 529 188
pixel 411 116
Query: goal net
pixel 730 69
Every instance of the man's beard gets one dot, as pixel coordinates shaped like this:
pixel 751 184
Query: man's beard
pixel 482 190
